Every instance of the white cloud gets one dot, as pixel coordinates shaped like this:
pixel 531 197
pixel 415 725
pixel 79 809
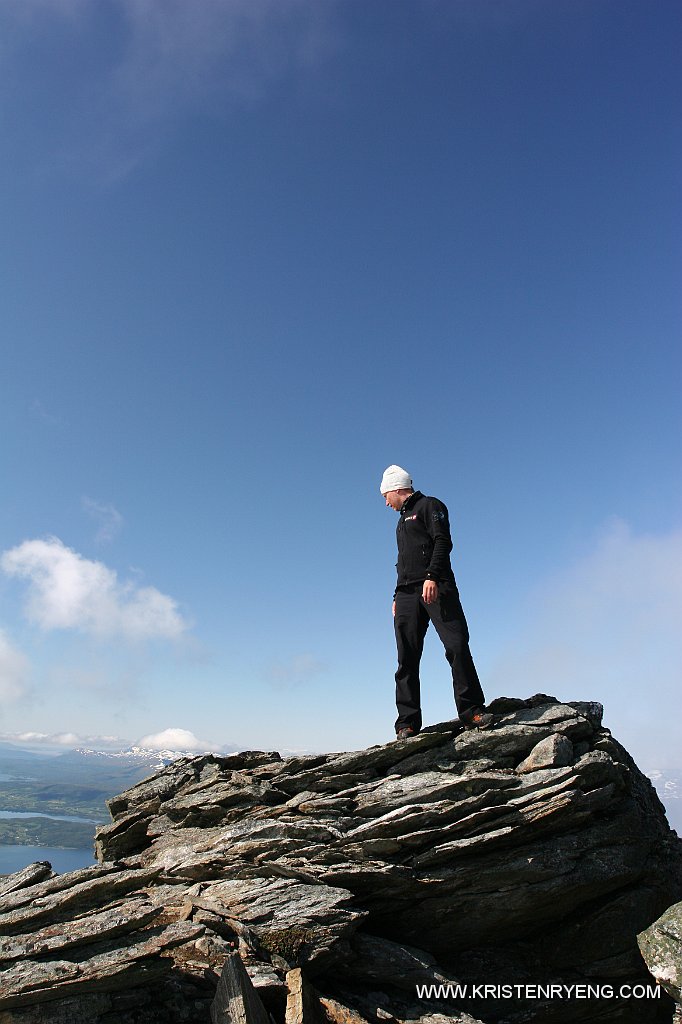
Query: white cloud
pixel 67 591
pixel 68 740
pixel 14 671
pixel 608 629
pixel 182 51
pixel 295 671
pixel 171 58
pixel 58 739
pixel 109 518
pixel 173 739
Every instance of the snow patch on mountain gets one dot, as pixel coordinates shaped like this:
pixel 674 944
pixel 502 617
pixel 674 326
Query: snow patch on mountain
pixel 144 755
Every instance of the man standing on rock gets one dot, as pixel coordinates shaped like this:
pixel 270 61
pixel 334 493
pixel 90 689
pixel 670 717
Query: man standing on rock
pixel 426 592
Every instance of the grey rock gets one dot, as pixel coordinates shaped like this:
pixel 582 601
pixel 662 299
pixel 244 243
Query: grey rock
pixel 236 1000
pixel 157 788
pixel 380 961
pixel 324 783
pixel 266 979
pixel 330 807
pixel 127 834
pixel 661 947
pixel 84 895
pixel 29 875
pixel 106 924
pixel 503 705
pixel 54 883
pixel 537 844
pixel 336 1013
pixel 303 1003
pixel 518 732
pixel 84 1009
pixel 209 852
pixel 340 771
pixel 187 771
pixel 388 1006
pixel 206 805
pixel 303 923
pixel 591 710
pixel 424 788
pixel 554 751
pixel 28 983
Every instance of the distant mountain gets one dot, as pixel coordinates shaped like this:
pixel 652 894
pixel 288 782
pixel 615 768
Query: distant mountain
pixel 73 782
pixel 155 759
pixel 10 752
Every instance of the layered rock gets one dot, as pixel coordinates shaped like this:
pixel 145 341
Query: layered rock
pixel 533 852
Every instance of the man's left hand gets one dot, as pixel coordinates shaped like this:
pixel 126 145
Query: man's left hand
pixel 429 591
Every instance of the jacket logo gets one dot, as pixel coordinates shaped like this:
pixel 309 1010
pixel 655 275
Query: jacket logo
pixel 438 515
pixel 409 519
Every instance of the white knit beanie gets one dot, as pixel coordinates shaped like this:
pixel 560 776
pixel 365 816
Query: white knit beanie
pixel 394 479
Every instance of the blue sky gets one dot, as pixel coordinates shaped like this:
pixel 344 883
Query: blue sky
pixel 255 252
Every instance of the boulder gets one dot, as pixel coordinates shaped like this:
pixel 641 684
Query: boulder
pixel 661 946
pixel 554 751
pixel 394 880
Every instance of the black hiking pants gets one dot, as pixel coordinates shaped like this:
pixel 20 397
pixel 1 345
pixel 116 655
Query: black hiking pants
pixel 412 617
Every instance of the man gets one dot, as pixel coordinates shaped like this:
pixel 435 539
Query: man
pixel 426 592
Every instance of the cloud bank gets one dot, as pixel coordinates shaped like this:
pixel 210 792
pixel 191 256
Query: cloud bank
pixel 68 740
pixel 69 592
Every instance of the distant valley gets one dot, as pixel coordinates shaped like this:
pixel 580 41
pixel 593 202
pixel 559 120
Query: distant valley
pixel 41 795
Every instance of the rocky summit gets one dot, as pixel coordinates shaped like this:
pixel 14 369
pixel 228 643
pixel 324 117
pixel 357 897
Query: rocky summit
pixel 498 876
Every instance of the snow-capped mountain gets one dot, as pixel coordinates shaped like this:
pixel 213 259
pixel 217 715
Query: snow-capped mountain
pixel 141 755
pixel 161 758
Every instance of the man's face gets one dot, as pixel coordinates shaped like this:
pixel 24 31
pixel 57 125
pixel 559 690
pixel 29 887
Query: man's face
pixel 395 499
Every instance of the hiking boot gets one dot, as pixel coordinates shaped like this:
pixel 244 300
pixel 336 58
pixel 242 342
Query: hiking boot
pixel 476 718
pixel 405 732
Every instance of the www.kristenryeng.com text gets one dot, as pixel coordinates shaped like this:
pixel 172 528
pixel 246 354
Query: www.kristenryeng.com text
pixel 551 990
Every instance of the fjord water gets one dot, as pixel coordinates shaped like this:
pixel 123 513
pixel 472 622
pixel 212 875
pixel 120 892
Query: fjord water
pixel 61 778
pixel 14 858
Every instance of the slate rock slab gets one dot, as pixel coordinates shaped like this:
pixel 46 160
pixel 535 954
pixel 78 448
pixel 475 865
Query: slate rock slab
pixel 536 848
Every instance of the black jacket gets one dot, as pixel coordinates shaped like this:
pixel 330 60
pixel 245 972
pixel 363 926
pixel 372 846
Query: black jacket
pixel 424 542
